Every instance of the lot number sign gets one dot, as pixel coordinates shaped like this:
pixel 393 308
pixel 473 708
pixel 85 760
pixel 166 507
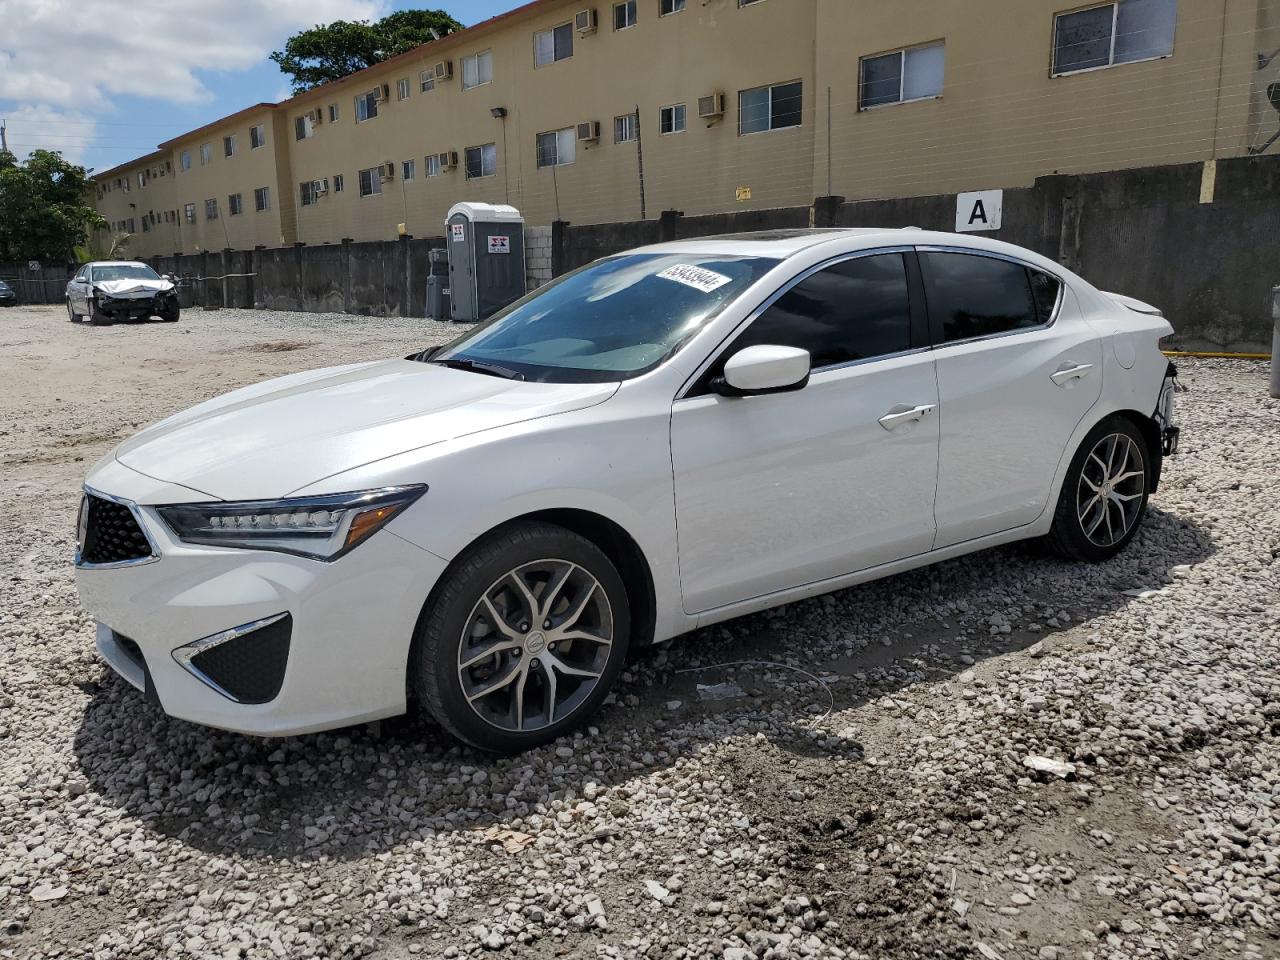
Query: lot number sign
pixel 979 211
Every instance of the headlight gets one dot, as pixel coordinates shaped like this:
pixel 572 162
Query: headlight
pixel 323 528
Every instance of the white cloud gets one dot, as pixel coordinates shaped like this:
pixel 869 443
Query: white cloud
pixel 74 55
pixel 68 131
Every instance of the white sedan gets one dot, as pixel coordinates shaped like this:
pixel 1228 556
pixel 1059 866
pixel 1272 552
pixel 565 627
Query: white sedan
pixel 661 440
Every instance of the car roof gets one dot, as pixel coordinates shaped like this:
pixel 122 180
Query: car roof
pixel 116 263
pixel 783 244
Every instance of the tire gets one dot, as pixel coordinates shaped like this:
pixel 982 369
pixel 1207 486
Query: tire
pixel 171 313
pixel 477 630
pixel 71 314
pixel 98 318
pixel 1113 460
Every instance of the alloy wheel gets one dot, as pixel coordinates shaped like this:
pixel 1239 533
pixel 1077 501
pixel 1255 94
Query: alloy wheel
pixel 1110 493
pixel 535 645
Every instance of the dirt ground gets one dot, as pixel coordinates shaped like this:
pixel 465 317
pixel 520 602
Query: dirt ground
pixel 881 803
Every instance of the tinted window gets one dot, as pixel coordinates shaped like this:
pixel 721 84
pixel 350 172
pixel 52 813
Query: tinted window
pixel 1045 289
pixel 977 296
pixel 854 310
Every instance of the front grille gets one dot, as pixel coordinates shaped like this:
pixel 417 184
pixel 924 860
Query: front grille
pixel 250 667
pixel 130 649
pixel 111 533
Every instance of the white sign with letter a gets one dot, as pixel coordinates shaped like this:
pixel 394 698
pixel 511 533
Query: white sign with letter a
pixel 979 211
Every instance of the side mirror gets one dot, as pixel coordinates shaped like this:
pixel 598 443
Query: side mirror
pixel 763 369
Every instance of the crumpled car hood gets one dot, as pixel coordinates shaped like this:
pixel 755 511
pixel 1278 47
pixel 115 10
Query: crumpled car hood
pixel 264 441
pixel 132 288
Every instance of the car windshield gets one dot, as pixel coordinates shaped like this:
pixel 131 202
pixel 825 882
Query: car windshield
pixel 124 271
pixel 611 320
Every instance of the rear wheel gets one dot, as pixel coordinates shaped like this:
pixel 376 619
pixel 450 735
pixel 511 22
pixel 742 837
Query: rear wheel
pixel 1104 496
pixel 524 638
pixel 71 313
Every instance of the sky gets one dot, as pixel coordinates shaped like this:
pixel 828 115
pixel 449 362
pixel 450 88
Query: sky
pixel 105 81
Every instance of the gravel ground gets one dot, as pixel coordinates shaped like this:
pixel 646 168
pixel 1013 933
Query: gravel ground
pixel 1022 758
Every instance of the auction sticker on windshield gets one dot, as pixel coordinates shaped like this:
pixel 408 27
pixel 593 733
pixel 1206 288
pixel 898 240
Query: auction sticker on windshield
pixel 696 277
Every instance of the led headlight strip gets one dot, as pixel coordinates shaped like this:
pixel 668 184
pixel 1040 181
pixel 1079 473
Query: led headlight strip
pixel 322 528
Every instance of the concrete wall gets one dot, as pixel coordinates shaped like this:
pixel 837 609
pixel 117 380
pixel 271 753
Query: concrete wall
pixel 537 256
pixel 1209 266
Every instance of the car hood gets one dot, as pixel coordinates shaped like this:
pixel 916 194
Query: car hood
pixel 132 288
pixel 270 439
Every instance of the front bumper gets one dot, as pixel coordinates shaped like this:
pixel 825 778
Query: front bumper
pixel 135 308
pixel 351 623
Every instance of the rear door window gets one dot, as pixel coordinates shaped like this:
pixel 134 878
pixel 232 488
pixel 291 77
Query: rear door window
pixel 971 295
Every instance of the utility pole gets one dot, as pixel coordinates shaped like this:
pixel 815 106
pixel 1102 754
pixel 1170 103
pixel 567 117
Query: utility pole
pixel 4 138
pixel 640 160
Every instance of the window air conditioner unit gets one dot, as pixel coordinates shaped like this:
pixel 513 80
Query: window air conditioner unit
pixel 443 70
pixel 589 132
pixel 712 107
pixel 387 171
pixel 585 22
pixel 382 93
pixel 319 187
pixel 315 116
pixel 448 159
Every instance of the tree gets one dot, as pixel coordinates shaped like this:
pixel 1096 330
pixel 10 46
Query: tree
pixel 332 51
pixel 44 209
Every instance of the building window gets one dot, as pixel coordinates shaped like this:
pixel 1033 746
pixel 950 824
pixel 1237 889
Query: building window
pixel 142 178
pixel 901 76
pixel 367 105
pixel 482 161
pixel 1122 32
pixel 234 205
pixel 552 45
pixel 229 146
pixel 671 119
pixel 302 127
pixel 408 169
pixel 624 15
pixel 402 88
pixel 557 147
pixel 307 192
pixel 669 7
pixel 371 181
pixel 189 212
pixel 624 128
pixel 132 225
pixel 769 108
pixel 427 81
pixel 431 165
pixel 337 183
pixel 333 113
pixel 206 154
pixel 257 136
pixel 262 199
pixel 211 209
pixel 477 70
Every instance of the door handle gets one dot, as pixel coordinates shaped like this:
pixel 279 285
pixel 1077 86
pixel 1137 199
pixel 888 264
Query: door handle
pixel 1068 373
pixel 897 418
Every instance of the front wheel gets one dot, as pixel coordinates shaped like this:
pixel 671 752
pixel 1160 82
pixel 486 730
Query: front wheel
pixel 1104 495
pixel 169 313
pixel 96 317
pixel 524 638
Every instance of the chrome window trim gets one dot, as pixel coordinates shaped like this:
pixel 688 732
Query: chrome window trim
pixel 184 654
pixel 993 255
pixel 137 518
pixel 714 354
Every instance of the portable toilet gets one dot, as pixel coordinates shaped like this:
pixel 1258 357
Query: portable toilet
pixel 486 258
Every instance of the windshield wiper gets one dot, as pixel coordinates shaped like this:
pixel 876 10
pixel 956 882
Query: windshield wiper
pixel 480 366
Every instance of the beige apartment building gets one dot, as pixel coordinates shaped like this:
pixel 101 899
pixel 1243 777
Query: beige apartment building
pixel 621 110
